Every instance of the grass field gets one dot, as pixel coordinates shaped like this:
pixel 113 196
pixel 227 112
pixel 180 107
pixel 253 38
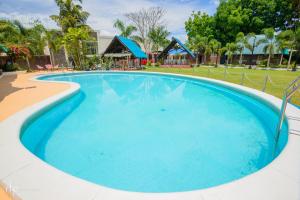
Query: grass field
pixel 277 81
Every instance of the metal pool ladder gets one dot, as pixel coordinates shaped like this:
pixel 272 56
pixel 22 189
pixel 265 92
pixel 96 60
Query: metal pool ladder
pixel 288 94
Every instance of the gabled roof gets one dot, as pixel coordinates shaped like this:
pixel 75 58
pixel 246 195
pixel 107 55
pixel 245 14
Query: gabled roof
pixel 175 41
pixel 128 44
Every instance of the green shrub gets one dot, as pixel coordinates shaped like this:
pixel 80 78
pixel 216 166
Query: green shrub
pixel 10 67
pixel 148 64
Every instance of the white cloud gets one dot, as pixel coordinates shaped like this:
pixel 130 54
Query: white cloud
pixel 103 13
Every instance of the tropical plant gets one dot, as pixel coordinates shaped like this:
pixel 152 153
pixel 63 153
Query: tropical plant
pixel 54 43
pixel 158 37
pixel 71 15
pixel 251 43
pixel 215 48
pixel 125 31
pixel 230 49
pixel 72 40
pixel 240 44
pixel 283 44
pixel 270 42
pixel 201 46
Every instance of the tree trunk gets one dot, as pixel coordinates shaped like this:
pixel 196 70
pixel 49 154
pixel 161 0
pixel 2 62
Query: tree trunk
pixel 28 64
pixel 52 59
pixel 290 58
pixel 269 58
pixel 66 56
pixel 281 58
pixel 241 58
pixel 197 59
pixel 217 59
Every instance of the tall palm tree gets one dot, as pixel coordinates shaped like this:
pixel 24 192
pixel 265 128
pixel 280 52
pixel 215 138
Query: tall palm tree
pixel 53 38
pixel 282 44
pixel 71 15
pixel 125 31
pixel 215 47
pixel 230 49
pixel 251 43
pixel 158 37
pixel 269 40
pixel 240 43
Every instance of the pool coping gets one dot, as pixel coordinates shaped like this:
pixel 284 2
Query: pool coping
pixel 32 179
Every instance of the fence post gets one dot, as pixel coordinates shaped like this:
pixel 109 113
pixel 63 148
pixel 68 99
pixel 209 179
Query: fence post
pixel 243 78
pixel 225 73
pixel 265 83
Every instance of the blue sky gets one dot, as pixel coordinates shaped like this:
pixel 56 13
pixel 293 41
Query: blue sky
pixel 105 12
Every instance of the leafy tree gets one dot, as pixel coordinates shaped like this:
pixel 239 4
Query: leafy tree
pixel 21 39
pixel 125 31
pixel 71 15
pixel 200 24
pixel 73 42
pixel 234 16
pixel 145 20
pixel 158 37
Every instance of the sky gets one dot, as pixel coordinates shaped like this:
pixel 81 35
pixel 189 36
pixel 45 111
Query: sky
pixel 103 13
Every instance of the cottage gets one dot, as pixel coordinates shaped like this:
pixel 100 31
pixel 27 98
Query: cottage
pixel 176 54
pixel 125 53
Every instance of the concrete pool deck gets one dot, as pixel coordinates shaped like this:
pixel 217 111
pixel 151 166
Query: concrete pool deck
pixel 37 180
pixel 18 91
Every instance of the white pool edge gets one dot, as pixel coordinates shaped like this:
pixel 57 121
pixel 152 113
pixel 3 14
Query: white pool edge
pixel 32 179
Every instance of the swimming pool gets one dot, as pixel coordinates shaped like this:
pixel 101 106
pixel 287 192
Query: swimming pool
pixel 154 133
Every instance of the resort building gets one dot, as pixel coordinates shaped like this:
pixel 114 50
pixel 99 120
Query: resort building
pixel 125 53
pixel 176 54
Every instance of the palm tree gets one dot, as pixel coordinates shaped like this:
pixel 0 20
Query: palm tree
pixel 240 43
pixel 71 15
pixel 158 37
pixel 125 31
pixel 215 47
pixel 269 40
pixel 198 45
pixel 251 43
pixel 20 39
pixel 53 38
pixel 230 49
pixel 282 44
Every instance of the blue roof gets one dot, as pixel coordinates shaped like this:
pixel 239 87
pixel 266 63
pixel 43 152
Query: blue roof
pixel 177 52
pixel 184 47
pixel 132 47
pixel 170 50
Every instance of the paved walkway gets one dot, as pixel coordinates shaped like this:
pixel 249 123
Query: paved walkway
pixel 18 92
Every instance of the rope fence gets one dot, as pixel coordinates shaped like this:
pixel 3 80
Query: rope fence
pixel 263 84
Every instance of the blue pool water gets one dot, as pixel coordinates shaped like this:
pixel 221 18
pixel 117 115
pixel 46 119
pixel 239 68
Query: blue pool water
pixel 154 133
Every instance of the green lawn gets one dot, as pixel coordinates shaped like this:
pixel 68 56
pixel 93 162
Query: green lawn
pixel 253 79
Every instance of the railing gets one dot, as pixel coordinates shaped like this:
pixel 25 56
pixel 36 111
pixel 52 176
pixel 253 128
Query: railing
pixel 292 88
